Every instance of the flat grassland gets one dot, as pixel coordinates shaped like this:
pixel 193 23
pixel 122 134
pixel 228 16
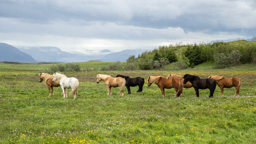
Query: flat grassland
pixel 29 115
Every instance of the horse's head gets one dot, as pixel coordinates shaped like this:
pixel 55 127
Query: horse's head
pixel 190 78
pixel 99 78
pixel 187 77
pixel 153 79
pixel 54 77
pixel 41 77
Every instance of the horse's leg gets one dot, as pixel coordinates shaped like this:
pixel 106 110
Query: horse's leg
pixel 197 92
pixel 163 93
pixel 109 90
pixel 66 92
pixel 52 91
pixel 140 88
pixel 237 90
pixel 222 90
pixel 63 91
pixel 122 90
pixel 212 89
pixel 49 89
pixel 75 93
pixel 178 92
pixel 128 88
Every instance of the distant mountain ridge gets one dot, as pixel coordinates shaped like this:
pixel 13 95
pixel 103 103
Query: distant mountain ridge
pixel 12 54
pixel 54 54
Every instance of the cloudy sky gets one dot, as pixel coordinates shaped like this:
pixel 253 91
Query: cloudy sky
pixel 82 25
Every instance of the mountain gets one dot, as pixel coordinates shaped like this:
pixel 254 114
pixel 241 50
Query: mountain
pixel 12 54
pixel 54 54
pixel 121 56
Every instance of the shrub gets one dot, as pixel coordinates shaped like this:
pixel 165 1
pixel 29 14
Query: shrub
pixel 182 64
pixel 64 68
pixel 221 60
pixel 194 55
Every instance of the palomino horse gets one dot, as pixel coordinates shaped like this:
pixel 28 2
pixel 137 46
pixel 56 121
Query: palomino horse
pixel 164 83
pixel 48 80
pixel 131 82
pixel 112 82
pixel 227 83
pixel 198 83
pixel 187 85
pixel 65 83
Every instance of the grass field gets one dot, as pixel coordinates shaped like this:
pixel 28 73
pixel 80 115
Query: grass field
pixel 29 115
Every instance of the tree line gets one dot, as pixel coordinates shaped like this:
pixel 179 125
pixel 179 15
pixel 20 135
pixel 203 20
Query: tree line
pixel 223 54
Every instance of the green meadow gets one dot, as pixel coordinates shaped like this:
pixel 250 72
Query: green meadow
pixel 29 115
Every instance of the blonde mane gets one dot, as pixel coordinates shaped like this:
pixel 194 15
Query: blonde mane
pixel 45 76
pixel 59 76
pixel 174 75
pixel 153 79
pixel 103 76
pixel 216 77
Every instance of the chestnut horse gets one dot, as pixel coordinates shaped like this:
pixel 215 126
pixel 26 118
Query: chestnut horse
pixel 198 83
pixel 164 83
pixel 112 82
pixel 227 83
pixel 48 80
pixel 187 85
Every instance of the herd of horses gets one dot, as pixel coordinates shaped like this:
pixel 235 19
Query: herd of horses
pixel 177 82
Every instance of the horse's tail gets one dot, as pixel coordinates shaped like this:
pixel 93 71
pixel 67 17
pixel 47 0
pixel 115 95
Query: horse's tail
pixel 74 89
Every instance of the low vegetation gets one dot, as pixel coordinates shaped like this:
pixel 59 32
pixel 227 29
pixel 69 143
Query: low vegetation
pixel 222 54
pixel 28 115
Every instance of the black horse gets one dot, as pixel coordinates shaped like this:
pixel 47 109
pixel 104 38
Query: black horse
pixel 198 83
pixel 131 82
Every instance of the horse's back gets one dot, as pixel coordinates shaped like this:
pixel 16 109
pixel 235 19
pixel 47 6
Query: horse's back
pixel 70 82
pixel 166 83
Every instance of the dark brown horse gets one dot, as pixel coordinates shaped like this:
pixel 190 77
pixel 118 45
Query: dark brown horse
pixel 131 82
pixel 48 80
pixel 198 83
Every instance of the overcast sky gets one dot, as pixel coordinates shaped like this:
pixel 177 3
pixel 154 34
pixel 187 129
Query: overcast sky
pixel 81 25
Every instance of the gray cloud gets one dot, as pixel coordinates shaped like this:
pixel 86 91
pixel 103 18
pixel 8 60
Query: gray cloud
pixel 124 23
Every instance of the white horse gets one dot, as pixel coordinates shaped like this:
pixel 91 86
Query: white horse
pixel 65 83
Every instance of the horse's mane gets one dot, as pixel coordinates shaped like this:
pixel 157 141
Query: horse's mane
pixel 103 76
pixel 59 75
pixel 216 77
pixel 174 75
pixel 123 76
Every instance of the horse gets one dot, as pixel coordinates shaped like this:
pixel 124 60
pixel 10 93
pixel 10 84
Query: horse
pixel 198 83
pixel 48 80
pixel 112 82
pixel 223 82
pixel 187 85
pixel 164 83
pixel 131 82
pixel 66 82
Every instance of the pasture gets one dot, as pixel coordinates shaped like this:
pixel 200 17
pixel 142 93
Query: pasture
pixel 29 115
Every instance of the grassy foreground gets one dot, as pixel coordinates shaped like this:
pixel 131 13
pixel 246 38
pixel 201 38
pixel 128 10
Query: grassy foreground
pixel 28 115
